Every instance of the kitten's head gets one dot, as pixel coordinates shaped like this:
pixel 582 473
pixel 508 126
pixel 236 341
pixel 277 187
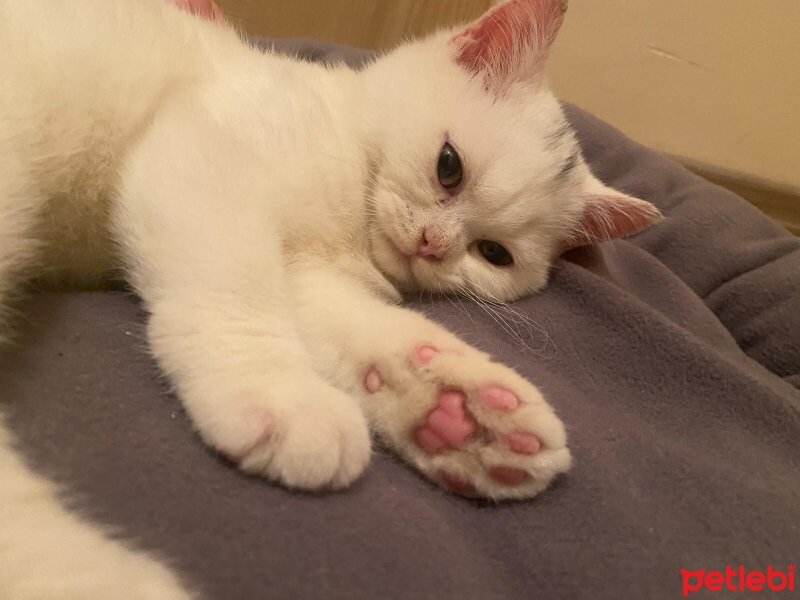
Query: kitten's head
pixel 479 182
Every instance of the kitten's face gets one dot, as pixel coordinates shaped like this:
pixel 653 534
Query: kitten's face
pixel 480 183
pixel 493 225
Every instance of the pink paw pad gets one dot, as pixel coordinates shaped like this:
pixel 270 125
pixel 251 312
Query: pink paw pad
pixel 428 440
pixel 373 381
pixel 426 353
pixel 456 484
pixel 498 398
pixel 523 442
pixel 447 425
pixel 508 475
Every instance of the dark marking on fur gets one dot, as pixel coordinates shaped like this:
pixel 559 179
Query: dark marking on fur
pixel 569 165
pixel 561 133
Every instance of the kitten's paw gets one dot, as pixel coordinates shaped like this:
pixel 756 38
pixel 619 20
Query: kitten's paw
pixel 304 434
pixel 470 424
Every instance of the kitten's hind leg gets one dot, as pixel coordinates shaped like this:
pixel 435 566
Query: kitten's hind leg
pixel 46 551
pixel 19 209
pixel 204 255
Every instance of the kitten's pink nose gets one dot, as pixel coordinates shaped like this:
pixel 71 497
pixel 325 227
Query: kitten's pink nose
pixel 430 246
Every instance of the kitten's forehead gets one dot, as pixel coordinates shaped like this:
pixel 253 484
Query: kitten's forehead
pixel 524 193
pixel 535 158
pixel 527 126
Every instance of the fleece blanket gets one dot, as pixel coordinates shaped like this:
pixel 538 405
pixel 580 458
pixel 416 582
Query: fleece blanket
pixel 673 357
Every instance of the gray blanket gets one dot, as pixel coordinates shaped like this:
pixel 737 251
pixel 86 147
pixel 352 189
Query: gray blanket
pixel 673 357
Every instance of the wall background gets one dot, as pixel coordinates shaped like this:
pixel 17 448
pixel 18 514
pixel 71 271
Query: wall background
pixel 377 24
pixel 714 83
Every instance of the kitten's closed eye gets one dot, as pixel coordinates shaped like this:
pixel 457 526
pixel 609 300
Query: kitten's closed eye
pixel 495 253
pixel 449 168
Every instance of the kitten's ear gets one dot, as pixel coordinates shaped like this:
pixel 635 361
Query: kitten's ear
pixel 609 214
pixel 510 43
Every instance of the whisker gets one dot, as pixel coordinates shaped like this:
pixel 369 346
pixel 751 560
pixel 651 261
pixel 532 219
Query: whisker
pixel 518 325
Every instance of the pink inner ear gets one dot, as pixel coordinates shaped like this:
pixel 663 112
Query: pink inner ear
pixel 514 36
pixel 499 32
pixel 609 217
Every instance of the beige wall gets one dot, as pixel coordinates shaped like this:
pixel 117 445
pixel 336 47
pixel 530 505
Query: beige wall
pixel 377 24
pixel 715 83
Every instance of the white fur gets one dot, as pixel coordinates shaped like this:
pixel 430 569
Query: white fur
pixel 249 198
pixel 47 553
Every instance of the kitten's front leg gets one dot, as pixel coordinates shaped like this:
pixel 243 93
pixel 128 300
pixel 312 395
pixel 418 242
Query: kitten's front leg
pixel 465 421
pixel 201 248
pixel 251 391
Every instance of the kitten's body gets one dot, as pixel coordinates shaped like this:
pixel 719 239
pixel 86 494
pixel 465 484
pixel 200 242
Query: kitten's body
pixel 249 198
pixel 86 81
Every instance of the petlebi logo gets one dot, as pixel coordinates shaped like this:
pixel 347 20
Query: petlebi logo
pixel 739 579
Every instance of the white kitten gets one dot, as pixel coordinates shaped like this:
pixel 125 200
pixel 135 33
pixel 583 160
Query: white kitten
pixel 269 212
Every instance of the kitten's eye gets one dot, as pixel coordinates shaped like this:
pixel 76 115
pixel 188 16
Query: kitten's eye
pixel 495 253
pixel 449 169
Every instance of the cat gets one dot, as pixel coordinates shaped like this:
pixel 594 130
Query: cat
pixel 271 213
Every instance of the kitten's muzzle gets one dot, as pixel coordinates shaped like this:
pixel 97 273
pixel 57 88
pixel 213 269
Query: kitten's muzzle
pixel 431 246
